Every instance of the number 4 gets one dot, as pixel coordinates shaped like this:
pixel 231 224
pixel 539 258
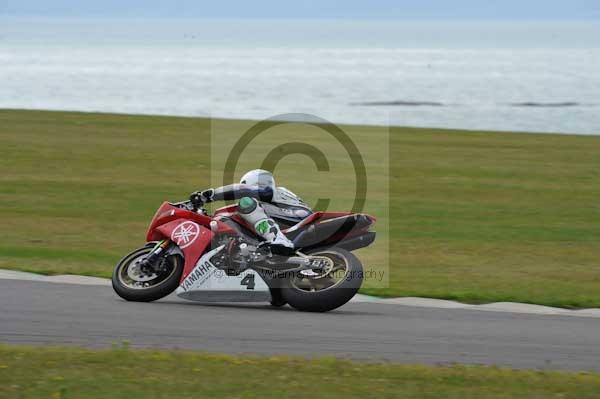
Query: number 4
pixel 248 281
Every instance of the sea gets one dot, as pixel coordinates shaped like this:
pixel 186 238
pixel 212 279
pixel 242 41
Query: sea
pixel 522 76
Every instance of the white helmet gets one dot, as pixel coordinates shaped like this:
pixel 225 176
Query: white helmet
pixel 259 177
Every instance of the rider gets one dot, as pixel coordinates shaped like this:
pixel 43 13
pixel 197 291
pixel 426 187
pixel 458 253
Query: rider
pixel 259 201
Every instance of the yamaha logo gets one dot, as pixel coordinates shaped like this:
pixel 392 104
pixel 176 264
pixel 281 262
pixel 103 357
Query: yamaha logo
pixel 185 234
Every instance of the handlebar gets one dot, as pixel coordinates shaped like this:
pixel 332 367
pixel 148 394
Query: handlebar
pixel 196 199
pixel 189 206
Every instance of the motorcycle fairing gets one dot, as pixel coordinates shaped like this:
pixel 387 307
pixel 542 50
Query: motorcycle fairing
pixel 207 283
pixel 194 247
pixel 168 212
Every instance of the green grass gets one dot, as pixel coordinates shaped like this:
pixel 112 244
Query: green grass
pixel 120 373
pixel 473 216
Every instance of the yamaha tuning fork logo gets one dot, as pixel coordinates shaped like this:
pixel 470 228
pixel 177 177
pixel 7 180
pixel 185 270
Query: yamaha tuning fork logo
pixel 185 234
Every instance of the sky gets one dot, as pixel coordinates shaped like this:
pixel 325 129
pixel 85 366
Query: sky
pixel 349 9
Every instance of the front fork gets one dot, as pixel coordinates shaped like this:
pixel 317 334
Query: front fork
pixel 147 265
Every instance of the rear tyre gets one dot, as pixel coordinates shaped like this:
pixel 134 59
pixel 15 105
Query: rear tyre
pixel 131 284
pixel 328 290
pixel 277 299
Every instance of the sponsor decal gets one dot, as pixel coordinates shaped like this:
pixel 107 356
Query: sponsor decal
pixel 185 234
pixel 263 226
pixel 203 270
pixel 198 275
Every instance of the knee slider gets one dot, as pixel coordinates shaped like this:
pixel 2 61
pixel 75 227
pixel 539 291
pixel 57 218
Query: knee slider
pixel 247 205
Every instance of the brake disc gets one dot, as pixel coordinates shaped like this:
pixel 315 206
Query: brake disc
pixel 135 273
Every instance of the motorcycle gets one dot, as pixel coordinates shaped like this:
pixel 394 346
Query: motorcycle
pixel 219 258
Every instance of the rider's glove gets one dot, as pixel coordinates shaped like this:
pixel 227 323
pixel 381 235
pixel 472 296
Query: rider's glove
pixel 196 199
pixel 207 195
pixel 199 198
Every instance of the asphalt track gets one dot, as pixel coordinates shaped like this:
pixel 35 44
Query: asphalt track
pixel 33 312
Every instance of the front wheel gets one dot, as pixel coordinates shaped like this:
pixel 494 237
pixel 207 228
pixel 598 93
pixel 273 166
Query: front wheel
pixel 133 284
pixel 326 289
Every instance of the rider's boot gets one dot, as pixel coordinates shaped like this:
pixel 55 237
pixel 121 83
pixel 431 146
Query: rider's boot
pixel 267 228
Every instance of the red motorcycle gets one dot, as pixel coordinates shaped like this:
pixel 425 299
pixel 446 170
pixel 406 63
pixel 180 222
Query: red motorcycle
pixel 219 258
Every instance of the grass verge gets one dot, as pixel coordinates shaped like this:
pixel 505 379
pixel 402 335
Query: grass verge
pixel 56 372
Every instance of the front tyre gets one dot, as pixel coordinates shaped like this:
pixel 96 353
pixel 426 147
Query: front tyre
pixel 328 289
pixel 132 284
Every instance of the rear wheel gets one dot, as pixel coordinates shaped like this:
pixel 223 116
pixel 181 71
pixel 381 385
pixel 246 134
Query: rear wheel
pixel 327 288
pixel 130 282
pixel 277 299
